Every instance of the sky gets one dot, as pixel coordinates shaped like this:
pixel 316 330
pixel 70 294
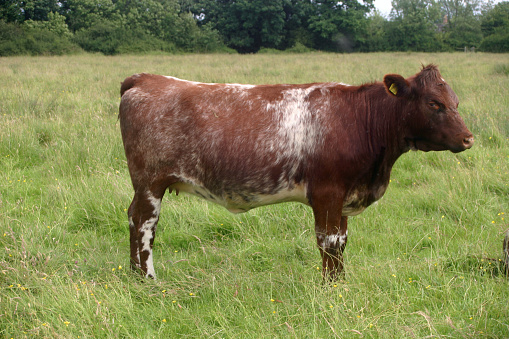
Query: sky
pixel 384 6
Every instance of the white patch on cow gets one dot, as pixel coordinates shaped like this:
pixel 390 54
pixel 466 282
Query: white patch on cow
pixel 342 239
pixel 297 132
pixel 297 193
pixel 243 86
pixel 243 202
pixel 148 233
pixel 151 273
pixel 147 230
pixel 331 241
pixel 321 240
pixel 156 203
pixel 186 81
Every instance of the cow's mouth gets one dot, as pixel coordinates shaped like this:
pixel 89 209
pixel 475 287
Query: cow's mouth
pixel 418 144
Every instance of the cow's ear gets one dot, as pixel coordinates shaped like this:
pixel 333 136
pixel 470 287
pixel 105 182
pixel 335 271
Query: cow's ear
pixel 396 85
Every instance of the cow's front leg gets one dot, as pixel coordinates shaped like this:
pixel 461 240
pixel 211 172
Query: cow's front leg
pixel 332 243
pixel 331 235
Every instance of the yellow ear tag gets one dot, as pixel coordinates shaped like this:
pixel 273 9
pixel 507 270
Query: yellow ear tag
pixel 393 89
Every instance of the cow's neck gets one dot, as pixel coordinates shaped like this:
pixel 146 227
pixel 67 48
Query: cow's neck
pixel 384 118
pixel 381 117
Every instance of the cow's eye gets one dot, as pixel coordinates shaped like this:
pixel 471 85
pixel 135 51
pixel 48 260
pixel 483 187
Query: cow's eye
pixel 434 105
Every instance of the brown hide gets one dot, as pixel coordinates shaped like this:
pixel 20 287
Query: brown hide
pixel 328 145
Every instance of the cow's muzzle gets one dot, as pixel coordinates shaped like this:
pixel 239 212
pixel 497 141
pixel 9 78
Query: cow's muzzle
pixel 468 141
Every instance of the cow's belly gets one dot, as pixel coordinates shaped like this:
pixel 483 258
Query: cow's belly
pixel 239 201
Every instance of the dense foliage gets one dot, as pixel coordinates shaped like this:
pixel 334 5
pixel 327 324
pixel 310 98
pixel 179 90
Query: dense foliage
pixel 495 28
pixel 247 26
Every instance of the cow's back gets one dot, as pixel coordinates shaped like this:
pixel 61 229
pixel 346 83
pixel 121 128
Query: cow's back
pixel 229 143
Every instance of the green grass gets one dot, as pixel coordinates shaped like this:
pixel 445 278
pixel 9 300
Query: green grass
pixel 423 261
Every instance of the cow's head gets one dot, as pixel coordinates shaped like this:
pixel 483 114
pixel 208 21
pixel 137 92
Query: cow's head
pixel 431 112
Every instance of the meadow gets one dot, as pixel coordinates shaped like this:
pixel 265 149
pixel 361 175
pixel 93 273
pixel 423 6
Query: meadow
pixel 422 262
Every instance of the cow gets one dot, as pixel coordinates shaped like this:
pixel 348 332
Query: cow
pixel 330 146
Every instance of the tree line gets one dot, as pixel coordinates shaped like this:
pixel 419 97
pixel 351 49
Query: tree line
pixel 248 26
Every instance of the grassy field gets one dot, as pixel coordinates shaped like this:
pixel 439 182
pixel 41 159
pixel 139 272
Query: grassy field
pixel 423 262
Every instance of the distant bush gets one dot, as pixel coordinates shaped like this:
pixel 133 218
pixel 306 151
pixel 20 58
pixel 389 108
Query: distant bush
pixel 44 42
pixel 299 48
pixel 112 38
pixel 498 43
pixel 18 39
pixel 136 44
pixel 265 50
pixel 10 34
pixel 55 23
pixel 98 38
pixel 54 38
pixel 109 38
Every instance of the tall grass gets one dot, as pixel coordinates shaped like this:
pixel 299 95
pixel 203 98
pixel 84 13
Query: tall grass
pixel 424 261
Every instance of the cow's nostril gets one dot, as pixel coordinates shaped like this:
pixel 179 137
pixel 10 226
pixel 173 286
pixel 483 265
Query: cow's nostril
pixel 468 142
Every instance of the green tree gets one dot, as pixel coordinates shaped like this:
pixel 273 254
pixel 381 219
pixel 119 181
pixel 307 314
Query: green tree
pixel 461 23
pixel 189 37
pixel 125 26
pixel 339 26
pixel 246 25
pixel 11 11
pixel 414 25
pixel 495 29
pixel 19 11
pixel 156 17
pixel 38 10
pixel 83 14
pixel 375 36
pixel 55 23
pixel 296 31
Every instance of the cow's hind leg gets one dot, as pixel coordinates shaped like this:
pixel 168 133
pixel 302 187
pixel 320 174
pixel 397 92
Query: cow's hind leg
pixel 143 217
pixel 133 237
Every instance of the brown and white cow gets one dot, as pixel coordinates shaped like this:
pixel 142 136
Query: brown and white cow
pixel 328 145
